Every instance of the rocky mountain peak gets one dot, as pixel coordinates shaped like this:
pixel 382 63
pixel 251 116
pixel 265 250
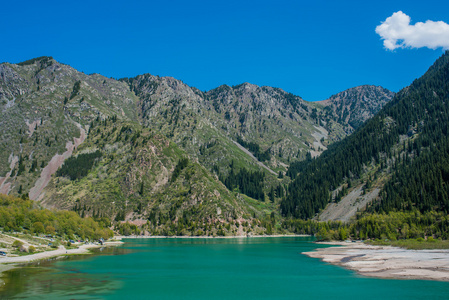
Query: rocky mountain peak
pixel 356 105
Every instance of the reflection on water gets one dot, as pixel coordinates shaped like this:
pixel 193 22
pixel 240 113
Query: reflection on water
pixel 61 278
pixel 61 285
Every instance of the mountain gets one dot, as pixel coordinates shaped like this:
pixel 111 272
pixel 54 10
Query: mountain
pixel 154 151
pixel 396 161
pixel 352 107
pixel 55 118
pixel 278 122
pixel 247 126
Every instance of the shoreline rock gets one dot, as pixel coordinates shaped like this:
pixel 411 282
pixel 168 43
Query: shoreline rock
pixel 387 261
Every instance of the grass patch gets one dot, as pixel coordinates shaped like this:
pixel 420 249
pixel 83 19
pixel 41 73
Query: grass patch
pixel 414 244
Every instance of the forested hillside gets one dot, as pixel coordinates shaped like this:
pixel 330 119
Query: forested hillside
pixel 405 144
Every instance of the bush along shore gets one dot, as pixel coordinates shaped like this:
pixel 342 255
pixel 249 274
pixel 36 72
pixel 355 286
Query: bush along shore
pixel 28 229
pixel 405 229
pixel 29 232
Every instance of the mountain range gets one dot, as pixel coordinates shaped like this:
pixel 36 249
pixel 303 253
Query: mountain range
pixel 167 156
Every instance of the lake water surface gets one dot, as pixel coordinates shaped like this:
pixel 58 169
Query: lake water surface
pixel 247 268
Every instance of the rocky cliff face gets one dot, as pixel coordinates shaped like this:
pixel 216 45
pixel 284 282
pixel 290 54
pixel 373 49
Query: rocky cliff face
pixel 351 108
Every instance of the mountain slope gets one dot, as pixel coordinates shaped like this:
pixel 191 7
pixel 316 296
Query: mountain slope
pixel 127 172
pixel 402 151
pixel 221 126
pixel 72 141
pixel 44 105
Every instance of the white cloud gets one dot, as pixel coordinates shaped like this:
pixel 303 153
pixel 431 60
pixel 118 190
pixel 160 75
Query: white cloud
pixel 397 32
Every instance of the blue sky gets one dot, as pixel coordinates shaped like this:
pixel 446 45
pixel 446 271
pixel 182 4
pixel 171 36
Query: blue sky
pixel 310 48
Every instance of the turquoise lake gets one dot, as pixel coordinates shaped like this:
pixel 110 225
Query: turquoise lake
pixel 247 268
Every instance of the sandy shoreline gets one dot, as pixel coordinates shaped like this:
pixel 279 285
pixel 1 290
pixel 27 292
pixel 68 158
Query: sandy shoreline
pixel 387 261
pixel 83 249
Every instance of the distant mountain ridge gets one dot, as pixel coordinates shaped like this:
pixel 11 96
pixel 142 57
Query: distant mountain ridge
pixel 281 124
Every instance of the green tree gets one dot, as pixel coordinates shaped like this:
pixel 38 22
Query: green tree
pixel 38 227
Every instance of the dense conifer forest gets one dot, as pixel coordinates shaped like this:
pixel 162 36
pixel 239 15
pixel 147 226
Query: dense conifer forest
pixel 78 167
pixel 254 148
pixel 247 182
pixel 409 137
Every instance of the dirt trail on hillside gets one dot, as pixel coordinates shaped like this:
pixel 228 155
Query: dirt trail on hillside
pixel 253 157
pixel 5 187
pixel 54 164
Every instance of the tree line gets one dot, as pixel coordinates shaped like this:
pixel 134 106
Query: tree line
pixel 391 226
pixel 254 148
pixel 21 215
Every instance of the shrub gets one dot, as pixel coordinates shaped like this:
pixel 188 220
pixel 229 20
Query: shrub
pixel 50 229
pixel 17 244
pixel 38 227
pixel 68 223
